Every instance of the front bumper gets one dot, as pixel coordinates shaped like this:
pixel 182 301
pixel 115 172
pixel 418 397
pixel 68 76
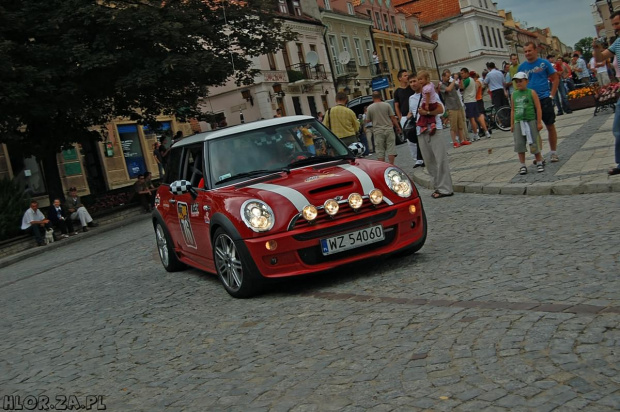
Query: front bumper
pixel 298 251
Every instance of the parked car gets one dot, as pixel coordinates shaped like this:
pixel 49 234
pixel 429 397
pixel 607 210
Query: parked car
pixel 280 197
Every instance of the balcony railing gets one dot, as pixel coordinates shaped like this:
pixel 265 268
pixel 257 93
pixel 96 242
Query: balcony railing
pixel 303 71
pixel 379 68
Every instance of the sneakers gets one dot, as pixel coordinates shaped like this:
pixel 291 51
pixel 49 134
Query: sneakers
pixel 487 134
pixel 544 162
pixel 523 170
pixel 554 158
pixel 465 143
pixel 456 144
pixel 474 137
pixel 540 167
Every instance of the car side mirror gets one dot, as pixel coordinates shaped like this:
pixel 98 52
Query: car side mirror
pixel 181 187
pixel 357 148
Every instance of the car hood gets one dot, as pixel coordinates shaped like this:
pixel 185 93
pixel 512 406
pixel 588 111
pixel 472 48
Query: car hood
pixel 288 193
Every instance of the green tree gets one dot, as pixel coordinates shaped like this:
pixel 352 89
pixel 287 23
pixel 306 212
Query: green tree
pixel 585 46
pixel 69 65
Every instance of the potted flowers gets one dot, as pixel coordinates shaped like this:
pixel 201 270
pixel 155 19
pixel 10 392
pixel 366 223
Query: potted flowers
pixel 582 98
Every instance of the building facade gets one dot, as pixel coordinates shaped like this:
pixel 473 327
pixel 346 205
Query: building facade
pixel 297 79
pixel 470 33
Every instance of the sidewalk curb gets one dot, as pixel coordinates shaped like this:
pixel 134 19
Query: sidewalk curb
pixel 604 185
pixel 118 221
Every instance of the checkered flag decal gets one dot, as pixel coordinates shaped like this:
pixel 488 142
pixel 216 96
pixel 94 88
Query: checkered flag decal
pixel 357 148
pixel 180 187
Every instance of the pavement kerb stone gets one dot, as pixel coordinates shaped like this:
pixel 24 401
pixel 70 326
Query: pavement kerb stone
pixel 493 188
pixel 597 187
pixel 111 223
pixel 474 188
pixel 538 189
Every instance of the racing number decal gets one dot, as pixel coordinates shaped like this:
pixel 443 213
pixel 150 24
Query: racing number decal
pixel 186 226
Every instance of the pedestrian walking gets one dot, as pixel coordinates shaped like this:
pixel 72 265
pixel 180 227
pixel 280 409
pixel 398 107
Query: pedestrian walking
pixel 560 99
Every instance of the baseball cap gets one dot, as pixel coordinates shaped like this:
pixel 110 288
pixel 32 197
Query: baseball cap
pixel 519 75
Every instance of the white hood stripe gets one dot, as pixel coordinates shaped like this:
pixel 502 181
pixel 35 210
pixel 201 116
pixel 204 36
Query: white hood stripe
pixel 297 199
pixel 362 176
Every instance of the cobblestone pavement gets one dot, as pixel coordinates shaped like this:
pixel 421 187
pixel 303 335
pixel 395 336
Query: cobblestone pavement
pixel 490 166
pixel 513 304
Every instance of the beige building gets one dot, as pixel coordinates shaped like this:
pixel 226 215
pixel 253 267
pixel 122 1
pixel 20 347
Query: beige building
pixel 349 46
pixel 296 79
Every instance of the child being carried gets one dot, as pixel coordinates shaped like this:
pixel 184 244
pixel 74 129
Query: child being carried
pixel 430 98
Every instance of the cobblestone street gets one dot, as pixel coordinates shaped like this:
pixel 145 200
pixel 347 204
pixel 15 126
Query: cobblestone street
pixel 512 304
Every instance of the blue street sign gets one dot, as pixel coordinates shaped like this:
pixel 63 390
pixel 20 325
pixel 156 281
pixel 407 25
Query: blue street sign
pixel 380 84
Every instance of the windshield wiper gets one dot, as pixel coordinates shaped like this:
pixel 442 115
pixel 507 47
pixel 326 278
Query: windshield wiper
pixel 248 174
pixel 314 159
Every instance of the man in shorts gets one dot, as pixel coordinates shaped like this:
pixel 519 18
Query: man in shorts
pixel 540 72
pixel 447 88
pixel 384 122
pixel 468 88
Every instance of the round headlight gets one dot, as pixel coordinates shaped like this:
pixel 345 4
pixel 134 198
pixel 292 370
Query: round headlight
pixel 375 196
pixel 331 207
pixel 309 212
pixel 257 215
pixel 398 182
pixel 355 201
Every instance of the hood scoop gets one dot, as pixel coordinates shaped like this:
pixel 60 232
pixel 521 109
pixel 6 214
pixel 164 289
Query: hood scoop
pixel 328 188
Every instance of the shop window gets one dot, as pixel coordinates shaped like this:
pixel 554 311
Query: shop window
pixel 132 149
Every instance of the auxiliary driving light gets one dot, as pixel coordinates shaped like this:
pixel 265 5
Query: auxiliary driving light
pixel 331 207
pixel 355 201
pixel 309 213
pixel 412 209
pixel 375 196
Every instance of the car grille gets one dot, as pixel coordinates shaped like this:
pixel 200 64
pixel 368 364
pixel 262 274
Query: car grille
pixel 314 256
pixel 346 227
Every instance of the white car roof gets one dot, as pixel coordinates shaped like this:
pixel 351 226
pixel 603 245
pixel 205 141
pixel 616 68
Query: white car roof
pixel 227 131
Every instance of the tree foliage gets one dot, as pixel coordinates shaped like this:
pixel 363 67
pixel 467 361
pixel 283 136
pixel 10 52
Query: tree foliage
pixel 67 65
pixel 585 45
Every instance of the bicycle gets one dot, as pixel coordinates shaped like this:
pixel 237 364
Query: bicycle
pixel 498 120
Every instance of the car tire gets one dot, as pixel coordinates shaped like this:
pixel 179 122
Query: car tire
pixel 238 278
pixel 410 250
pixel 168 256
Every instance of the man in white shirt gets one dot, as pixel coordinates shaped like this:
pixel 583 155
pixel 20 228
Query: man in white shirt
pixel 495 80
pixel 600 68
pixel 34 222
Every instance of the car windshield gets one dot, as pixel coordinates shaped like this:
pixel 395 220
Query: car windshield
pixel 273 148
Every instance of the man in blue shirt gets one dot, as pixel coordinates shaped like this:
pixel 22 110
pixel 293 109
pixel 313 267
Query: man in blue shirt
pixel 601 55
pixel 540 72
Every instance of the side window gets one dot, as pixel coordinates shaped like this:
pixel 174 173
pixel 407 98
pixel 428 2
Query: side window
pixel 193 164
pixel 174 161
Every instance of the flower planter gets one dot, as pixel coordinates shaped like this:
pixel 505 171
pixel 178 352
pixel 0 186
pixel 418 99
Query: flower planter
pixel 582 102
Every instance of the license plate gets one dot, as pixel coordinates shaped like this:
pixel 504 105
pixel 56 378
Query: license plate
pixel 352 240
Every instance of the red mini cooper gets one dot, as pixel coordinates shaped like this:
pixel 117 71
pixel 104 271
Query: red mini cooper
pixel 280 197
